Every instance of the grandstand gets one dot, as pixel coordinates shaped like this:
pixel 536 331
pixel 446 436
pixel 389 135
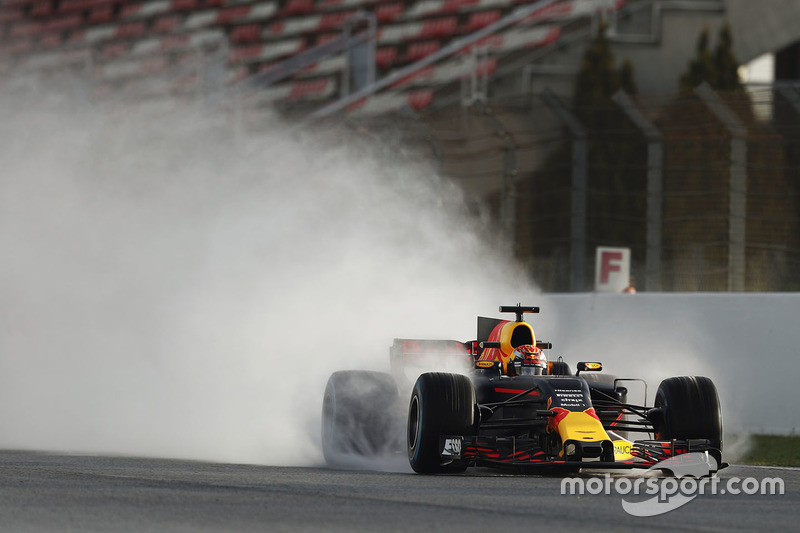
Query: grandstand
pixel 118 42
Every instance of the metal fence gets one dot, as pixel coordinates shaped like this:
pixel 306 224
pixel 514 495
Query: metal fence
pixel 701 186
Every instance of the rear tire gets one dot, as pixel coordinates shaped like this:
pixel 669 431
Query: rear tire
pixel 690 410
pixel 357 415
pixel 441 404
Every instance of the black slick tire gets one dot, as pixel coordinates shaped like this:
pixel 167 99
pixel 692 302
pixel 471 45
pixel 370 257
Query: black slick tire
pixel 689 409
pixel 357 417
pixel 441 404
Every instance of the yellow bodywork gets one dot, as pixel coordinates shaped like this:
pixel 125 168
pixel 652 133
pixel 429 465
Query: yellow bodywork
pixel 504 335
pixel 581 426
pixel 622 450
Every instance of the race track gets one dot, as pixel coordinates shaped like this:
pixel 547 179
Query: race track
pixel 45 492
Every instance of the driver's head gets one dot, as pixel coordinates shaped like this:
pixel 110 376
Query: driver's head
pixel 529 360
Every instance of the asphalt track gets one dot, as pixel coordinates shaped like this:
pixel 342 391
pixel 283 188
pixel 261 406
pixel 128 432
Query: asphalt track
pixel 48 492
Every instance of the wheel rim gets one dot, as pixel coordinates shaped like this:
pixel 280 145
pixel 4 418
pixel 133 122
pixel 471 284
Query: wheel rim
pixel 413 423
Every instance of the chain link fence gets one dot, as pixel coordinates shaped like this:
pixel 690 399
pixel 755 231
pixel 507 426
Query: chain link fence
pixel 706 199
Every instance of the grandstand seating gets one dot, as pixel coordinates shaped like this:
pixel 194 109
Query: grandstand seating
pixel 125 40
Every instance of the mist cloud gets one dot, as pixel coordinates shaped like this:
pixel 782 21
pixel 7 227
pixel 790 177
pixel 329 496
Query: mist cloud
pixel 170 289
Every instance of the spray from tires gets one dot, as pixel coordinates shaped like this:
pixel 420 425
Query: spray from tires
pixel 171 290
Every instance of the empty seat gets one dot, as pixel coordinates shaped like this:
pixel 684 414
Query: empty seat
pixel 166 23
pixel 417 51
pixel 481 19
pixel 389 12
pixel 317 88
pixel 184 5
pixel 246 33
pixel 441 27
pixel 66 6
pixel 298 7
pixel 130 30
pixel 42 8
pixel 232 14
pixel 385 56
pixel 101 15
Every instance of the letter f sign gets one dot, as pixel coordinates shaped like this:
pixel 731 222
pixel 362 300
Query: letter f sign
pixel 612 269
pixel 609 262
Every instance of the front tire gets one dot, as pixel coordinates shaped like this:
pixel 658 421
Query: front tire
pixel 690 409
pixel 441 404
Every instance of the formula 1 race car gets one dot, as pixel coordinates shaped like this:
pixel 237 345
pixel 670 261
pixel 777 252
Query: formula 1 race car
pixel 510 407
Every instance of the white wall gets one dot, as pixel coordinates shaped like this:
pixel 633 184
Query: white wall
pixel 747 343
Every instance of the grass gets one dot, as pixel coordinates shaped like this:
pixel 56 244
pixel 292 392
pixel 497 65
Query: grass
pixel 772 450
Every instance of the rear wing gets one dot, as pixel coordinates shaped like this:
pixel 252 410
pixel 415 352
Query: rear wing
pixel 406 353
pixel 411 348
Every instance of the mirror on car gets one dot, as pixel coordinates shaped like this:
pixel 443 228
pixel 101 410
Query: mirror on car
pixel 589 367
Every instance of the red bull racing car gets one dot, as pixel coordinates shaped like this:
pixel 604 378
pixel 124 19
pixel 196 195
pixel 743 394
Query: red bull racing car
pixel 507 406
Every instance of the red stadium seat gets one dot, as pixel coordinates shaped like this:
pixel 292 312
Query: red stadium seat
pixel 318 88
pixel 42 9
pixel 323 38
pixel 76 37
pixel 173 42
pixel 115 50
pixel 166 24
pixel 421 74
pixel 153 65
pixel 457 5
pixel 481 19
pixel 334 20
pixel 392 101
pixel 26 29
pixel 66 6
pixel 420 99
pixel 17 3
pixel 385 56
pixel 101 15
pixel 63 23
pixel 130 10
pixel 231 14
pixel 417 51
pixel 441 27
pixel 389 12
pixel 184 5
pixel 10 15
pixel 51 40
pixel 130 30
pixel 298 7
pixel 246 33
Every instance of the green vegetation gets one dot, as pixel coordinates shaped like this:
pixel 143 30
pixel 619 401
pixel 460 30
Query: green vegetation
pixel 615 190
pixel 598 78
pixel 718 68
pixel 773 450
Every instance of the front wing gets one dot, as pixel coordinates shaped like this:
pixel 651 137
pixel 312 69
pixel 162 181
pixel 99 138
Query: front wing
pixel 526 453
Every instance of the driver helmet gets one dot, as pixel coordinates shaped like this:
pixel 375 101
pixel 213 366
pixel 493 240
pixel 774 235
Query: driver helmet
pixel 529 360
